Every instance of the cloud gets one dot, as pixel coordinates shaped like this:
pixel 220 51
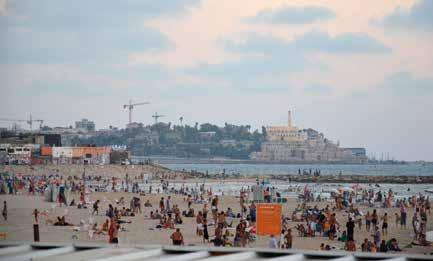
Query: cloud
pixel 102 45
pixel 312 41
pixel 292 15
pixel 264 57
pixel 404 83
pixel 48 31
pixel 342 43
pixel 418 17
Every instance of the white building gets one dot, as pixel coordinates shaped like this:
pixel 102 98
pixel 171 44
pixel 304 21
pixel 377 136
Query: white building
pixel 290 144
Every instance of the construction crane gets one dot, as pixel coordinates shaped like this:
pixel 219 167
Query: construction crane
pixel 29 121
pixel 131 106
pixel 156 116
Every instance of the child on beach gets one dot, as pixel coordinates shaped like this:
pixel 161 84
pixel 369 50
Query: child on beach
pixel 36 214
pixel 397 219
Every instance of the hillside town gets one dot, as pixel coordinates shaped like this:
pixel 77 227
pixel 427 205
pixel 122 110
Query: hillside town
pixel 83 143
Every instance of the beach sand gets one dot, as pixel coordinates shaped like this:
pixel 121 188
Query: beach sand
pixel 142 229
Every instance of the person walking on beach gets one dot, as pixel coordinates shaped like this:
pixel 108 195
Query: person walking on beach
pixel 95 207
pixel 5 210
pixel 385 224
pixel 403 216
pixel 368 221
pixel 177 238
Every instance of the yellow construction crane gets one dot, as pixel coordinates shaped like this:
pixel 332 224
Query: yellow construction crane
pixel 131 106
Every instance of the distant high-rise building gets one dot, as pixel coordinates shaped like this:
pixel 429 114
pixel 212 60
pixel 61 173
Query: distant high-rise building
pixel 85 125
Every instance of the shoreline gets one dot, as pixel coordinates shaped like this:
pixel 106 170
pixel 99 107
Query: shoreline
pixel 157 171
pixel 174 160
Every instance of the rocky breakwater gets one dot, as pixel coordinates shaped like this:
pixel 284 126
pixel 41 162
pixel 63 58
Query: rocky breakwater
pixel 356 179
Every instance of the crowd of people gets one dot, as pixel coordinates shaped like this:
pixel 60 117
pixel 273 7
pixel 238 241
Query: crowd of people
pixel 223 226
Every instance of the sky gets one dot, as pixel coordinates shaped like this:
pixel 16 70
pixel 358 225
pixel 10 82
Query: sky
pixel 360 71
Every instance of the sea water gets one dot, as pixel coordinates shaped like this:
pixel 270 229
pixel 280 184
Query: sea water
pixel 410 169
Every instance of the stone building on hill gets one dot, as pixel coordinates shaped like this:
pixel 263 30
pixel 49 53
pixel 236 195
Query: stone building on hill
pixel 293 145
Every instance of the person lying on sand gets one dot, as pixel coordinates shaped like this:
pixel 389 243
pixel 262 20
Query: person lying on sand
pixel 61 221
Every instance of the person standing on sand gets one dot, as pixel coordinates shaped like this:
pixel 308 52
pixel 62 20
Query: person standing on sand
pixel 205 232
pixel 199 221
pixel 36 214
pixel 168 204
pixel 177 238
pixel 5 210
pixel 113 232
pixel 288 239
pixel 333 226
pixel 415 223
pixel 374 218
pixel 376 236
pixel 161 205
pixel 403 216
pixel 385 224
pixel 368 221
pixel 350 226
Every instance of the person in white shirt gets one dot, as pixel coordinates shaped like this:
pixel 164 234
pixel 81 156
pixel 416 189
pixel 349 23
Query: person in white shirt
pixel 281 242
pixel 273 242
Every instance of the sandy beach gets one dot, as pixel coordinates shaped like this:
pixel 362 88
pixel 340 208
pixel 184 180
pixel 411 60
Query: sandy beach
pixel 142 229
